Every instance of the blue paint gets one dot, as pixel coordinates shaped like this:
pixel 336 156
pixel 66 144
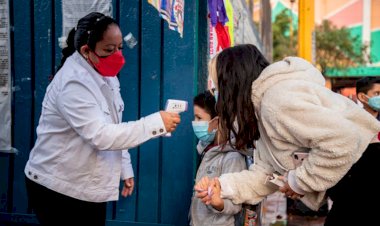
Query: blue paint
pixel 150 75
pixel 23 129
pixel 178 83
pixel 129 78
pixel 43 52
pixel 4 172
pixel 57 33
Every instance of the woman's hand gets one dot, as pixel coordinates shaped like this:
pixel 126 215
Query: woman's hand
pixel 287 190
pixel 171 120
pixel 129 184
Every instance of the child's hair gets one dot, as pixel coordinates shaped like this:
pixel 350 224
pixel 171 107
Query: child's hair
pixel 364 84
pixel 206 101
pixel 212 70
pixel 89 31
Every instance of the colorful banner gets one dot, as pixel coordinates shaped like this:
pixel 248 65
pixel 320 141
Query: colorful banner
pixel 172 11
pixel 220 28
pixel 230 23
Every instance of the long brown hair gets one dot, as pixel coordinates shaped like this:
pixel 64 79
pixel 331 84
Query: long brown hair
pixel 236 68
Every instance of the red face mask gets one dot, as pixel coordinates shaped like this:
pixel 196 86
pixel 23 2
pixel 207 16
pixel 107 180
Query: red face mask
pixel 109 66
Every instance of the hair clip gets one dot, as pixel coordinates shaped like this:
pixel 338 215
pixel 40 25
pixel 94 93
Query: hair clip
pixel 97 19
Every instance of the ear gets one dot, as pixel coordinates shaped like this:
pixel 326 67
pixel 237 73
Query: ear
pixel 362 98
pixel 84 51
pixel 213 124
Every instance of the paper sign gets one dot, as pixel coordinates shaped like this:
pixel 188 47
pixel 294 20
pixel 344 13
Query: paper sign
pixel 5 80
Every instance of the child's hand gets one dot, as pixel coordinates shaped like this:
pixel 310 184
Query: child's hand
pixel 208 190
pixel 216 201
pixel 202 190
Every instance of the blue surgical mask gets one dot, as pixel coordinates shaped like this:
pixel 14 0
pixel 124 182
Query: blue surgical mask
pixel 201 131
pixel 374 102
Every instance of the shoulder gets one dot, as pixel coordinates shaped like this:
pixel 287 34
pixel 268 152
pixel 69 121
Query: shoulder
pixel 233 156
pixel 71 70
pixel 289 96
pixel 287 89
pixel 233 162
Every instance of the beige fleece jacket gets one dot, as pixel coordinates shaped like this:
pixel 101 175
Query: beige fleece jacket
pixel 297 113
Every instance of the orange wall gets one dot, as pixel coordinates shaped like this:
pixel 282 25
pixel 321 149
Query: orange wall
pixel 375 14
pixel 342 12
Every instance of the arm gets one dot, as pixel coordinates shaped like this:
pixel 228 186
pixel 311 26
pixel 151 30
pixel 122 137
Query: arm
pixel 127 174
pixel 126 166
pixel 316 121
pixel 247 186
pixel 79 107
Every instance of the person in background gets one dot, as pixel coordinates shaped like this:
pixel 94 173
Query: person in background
pixel 368 93
pixel 81 153
pixel 216 158
pixel 287 109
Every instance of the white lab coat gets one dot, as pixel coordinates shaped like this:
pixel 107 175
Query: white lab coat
pixel 81 148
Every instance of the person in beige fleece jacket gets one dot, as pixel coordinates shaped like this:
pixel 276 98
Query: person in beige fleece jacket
pixel 287 105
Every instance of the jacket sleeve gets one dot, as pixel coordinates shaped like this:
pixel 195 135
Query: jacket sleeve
pixel 80 109
pixel 317 123
pixel 248 186
pixel 126 166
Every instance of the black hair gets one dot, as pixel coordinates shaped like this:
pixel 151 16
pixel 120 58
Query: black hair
pixel 364 84
pixel 207 102
pixel 236 68
pixel 89 31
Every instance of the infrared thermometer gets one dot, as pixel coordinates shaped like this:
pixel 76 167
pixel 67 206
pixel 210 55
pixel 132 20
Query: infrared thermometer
pixel 177 106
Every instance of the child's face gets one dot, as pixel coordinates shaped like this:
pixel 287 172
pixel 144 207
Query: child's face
pixel 200 114
pixel 375 91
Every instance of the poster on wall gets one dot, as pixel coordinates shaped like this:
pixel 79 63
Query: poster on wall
pixel 73 10
pixel 173 11
pixel 5 80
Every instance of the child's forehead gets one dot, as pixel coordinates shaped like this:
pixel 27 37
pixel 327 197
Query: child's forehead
pixel 375 87
pixel 199 108
pixel 200 111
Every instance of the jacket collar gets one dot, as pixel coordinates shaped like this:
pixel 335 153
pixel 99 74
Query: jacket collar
pixel 106 85
pixel 98 78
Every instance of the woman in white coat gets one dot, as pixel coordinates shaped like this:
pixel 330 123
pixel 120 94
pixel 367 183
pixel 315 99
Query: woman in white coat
pixel 81 151
pixel 286 107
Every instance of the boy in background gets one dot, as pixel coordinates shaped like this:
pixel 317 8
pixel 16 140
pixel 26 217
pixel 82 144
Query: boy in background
pixel 368 93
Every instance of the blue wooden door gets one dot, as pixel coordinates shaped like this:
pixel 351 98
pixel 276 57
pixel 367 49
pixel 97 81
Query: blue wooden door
pixel 161 66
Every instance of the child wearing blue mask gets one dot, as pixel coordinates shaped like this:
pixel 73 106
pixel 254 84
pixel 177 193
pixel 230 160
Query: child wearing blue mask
pixel 215 160
pixel 368 93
